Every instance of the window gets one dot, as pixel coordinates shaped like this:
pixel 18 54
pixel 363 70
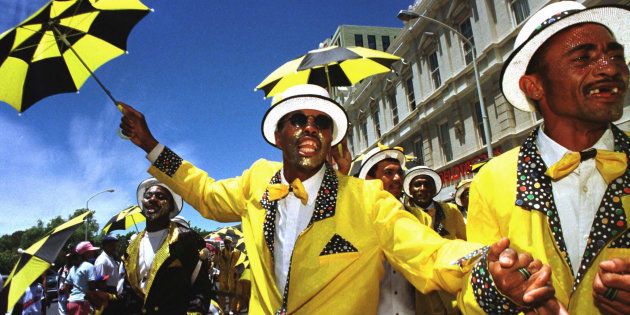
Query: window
pixel 393 106
pixel 520 9
pixel 364 137
pixel 371 41
pixel 358 40
pixel 480 126
pixel 445 137
pixel 466 29
pixel 375 120
pixel 418 152
pixel 385 40
pixel 435 70
pixel 411 98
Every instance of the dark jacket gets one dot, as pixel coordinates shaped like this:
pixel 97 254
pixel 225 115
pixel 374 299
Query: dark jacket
pixel 169 289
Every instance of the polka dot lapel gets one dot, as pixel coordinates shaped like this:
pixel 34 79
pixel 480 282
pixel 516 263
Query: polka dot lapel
pixel 533 192
pixel 325 204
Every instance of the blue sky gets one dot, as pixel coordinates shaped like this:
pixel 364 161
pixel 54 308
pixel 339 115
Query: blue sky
pixel 191 69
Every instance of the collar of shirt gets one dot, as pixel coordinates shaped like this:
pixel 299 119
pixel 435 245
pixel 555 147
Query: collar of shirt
pixel 311 185
pixel 551 151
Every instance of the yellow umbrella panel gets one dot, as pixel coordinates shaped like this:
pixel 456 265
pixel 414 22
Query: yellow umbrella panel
pixel 35 260
pixel 131 216
pixel 57 48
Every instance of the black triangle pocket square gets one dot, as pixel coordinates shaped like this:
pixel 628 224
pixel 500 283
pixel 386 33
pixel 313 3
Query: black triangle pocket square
pixel 336 245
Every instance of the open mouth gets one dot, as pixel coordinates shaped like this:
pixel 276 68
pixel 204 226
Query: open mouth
pixel 308 146
pixel 604 91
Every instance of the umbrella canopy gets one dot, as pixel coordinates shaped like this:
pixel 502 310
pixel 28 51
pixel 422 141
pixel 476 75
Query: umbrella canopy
pixel 328 67
pixel 236 234
pixel 124 219
pixel 36 260
pixel 57 48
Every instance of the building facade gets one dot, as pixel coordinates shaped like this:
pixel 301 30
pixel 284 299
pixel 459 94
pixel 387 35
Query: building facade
pixel 430 105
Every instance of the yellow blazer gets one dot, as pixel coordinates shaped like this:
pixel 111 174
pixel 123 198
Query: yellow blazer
pixel 337 260
pixel 439 302
pixel 519 207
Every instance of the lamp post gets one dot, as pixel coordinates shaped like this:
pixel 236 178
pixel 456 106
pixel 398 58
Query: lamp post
pixel 87 220
pixel 406 15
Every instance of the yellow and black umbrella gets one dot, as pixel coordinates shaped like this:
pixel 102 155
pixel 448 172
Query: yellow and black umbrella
pixel 35 260
pixel 56 49
pixel 125 219
pixel 328 67
pixel 235 233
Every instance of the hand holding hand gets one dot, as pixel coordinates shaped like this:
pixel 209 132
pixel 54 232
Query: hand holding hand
pixel 611 287
pixel 524 280
pixel 134 126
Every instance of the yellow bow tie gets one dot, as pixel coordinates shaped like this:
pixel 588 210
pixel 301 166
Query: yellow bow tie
pixel 610 164
pixel 279 191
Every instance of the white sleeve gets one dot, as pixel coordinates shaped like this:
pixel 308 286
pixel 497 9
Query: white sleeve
pixel 155 153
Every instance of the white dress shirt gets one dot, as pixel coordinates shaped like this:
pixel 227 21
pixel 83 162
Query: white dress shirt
pixel 578 195
pixel 149 245
pixel 397 295
pixel 291 219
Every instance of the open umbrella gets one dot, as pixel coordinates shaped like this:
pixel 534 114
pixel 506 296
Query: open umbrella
pixel 35 260
pixel 56 49
pixel 124 219
pixel 235 233
pixel 328 67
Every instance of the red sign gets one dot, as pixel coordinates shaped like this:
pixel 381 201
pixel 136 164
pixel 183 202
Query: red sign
pixel 461 170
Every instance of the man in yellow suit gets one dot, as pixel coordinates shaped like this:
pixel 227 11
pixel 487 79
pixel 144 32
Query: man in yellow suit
pixel 421 184
pixel 564 194
pixel 316 239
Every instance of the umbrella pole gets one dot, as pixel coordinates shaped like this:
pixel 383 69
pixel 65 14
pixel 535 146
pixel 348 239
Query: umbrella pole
pixel 134 224
pixel 328 80
pixel 62 37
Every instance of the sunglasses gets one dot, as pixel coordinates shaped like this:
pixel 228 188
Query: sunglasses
pixel 299 120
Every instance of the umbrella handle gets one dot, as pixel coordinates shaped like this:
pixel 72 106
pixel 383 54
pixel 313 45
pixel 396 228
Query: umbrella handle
pixel 63 39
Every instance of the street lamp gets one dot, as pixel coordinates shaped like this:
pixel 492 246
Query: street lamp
pixel 87 220
pixel 407 15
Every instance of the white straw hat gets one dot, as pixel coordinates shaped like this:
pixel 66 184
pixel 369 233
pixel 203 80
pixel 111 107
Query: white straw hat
pixel 461 187
pixel 305 96
pixel 150 182
pixel 378 154
pixel 543 25
pixel 421 170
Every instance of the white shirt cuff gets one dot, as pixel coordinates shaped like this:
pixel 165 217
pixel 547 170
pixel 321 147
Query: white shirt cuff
pixel 155 153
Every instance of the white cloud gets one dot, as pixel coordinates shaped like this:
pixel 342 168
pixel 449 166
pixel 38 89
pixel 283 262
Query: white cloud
pixel 42 180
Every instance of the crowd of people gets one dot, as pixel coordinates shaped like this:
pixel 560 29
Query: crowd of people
pixel 542 228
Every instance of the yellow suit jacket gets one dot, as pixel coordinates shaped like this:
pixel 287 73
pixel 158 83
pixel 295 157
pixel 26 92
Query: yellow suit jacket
pixel 512 197
pixel 337 260
pixel 439 302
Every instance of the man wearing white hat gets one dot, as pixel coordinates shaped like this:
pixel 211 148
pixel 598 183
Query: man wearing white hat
pixel 421 184
pixel 164 274
pixel 314 235
pixel 564 194
pixel 397 295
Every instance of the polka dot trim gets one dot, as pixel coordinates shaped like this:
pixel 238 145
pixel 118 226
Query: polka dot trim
pixel 533 190
pixel 326 201
pixel 438 225
pixel 555 18
pixel 610 218
pixel 168 162
pixel 271 207
pixel 336 245
pixel 486 293
pixel 465 261
pixel 622 242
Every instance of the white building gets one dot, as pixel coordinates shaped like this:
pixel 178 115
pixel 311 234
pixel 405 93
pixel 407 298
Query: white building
pixel 430 106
